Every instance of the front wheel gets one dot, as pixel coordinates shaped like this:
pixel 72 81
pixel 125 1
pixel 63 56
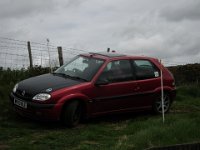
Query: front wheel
pixel 72 114
pixel 157 106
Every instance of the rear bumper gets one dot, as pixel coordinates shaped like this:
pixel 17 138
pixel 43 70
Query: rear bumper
pixel 38 111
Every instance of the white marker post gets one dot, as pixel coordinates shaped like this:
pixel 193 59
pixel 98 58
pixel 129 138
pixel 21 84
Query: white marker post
pixel 162 93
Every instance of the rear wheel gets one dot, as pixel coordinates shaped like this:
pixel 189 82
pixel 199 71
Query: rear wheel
pixel 157 106
pixel 72 113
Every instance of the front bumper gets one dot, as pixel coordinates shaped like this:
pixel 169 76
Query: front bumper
pixel 37 111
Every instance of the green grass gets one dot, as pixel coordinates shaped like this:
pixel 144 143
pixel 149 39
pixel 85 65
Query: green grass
pixel 127 131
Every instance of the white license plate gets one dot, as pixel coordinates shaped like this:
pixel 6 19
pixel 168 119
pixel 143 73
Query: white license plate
pixel 20 103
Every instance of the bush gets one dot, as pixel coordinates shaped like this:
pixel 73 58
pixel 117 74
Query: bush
pixel 10 77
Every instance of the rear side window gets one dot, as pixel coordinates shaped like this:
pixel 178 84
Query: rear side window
pixel 144 69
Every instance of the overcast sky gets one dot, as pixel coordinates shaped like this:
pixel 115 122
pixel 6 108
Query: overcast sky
pixel 169 30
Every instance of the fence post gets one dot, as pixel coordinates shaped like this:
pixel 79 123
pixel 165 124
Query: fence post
pixel 30 54
pixel 60 55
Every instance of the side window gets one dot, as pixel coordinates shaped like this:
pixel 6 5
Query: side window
pixel 144 69
pixel 117 71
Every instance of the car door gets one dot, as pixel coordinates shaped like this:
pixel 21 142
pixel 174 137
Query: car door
pixel 147 77
pixel 115 88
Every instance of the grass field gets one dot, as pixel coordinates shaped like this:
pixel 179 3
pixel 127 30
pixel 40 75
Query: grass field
pixel 128 131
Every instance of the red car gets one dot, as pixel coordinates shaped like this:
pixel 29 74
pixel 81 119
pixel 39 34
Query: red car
pixel 95 84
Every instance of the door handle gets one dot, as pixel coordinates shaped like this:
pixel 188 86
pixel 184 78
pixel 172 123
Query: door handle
pixel 137 88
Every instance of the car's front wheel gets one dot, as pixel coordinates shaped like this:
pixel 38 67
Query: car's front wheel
pixel 157 105
pixel 72 114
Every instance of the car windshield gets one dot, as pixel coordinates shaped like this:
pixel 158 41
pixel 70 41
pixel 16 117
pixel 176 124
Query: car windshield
pixel 80 68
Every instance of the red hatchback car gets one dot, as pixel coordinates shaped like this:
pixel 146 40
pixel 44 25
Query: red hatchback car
pixel 95 84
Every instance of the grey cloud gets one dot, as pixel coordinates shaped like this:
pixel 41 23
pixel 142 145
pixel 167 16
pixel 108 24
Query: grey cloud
pixel 163 29
pixel 182 10
pixel 153 36
pixel 74 3
pixel 21 8
pixel 162 46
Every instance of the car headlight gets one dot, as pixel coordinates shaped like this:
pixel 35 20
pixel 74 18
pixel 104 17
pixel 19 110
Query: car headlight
pixel 42 97
pixel 15 88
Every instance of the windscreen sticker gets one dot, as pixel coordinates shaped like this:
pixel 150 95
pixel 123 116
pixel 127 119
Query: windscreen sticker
pixel 156 74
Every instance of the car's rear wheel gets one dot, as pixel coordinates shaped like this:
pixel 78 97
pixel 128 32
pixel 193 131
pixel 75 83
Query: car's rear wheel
pixel 72 113
pixel 157 106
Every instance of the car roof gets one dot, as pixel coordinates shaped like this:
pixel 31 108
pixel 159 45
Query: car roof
pixel 108 54
pixel 114 56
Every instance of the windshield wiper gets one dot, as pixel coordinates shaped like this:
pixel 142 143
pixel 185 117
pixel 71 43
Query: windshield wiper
pixel 68 76
pixel 56 73
pixel 79 78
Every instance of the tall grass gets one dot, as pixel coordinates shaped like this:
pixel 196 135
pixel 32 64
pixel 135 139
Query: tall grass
pixel 190 90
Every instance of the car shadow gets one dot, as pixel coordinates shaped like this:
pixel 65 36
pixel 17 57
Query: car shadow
pixel 115 118
pixel 47 125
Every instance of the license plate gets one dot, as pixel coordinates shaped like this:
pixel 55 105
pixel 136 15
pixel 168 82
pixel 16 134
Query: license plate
pixel 20 103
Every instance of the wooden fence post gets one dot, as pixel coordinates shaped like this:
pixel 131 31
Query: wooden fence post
pixel 30 54
pixel 60 55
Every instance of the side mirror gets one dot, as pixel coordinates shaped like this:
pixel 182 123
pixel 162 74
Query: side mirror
pixel 101 82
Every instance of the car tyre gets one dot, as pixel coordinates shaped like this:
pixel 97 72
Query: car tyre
pixel 157 105
pixel 72 114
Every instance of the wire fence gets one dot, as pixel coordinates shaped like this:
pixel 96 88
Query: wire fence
pixel 14 54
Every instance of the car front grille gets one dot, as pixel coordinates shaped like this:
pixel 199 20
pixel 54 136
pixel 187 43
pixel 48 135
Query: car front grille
pixel 23 95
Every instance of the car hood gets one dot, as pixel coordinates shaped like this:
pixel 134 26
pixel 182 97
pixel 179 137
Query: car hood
pixel 44 83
